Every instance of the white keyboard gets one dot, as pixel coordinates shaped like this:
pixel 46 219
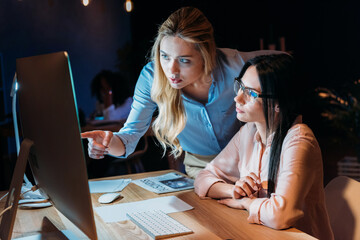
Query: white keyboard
pixel 158 224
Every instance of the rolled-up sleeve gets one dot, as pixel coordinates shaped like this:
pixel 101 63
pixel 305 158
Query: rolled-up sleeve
pixel 224 168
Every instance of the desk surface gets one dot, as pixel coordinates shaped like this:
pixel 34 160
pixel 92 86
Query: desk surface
pixel 209 219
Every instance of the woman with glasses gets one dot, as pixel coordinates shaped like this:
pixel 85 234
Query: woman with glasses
pixel 189 82
pixel 273 166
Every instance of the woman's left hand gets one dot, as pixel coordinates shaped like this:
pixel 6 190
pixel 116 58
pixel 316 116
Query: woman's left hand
pixel 243 203
pixel 247 186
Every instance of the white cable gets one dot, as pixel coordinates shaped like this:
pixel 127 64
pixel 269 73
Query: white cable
pixel 14 89
pixel 6 209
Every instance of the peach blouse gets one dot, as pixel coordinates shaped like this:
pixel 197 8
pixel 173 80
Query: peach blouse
pixel 298 200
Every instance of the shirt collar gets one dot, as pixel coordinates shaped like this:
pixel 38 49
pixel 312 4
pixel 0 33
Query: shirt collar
pixel 257 138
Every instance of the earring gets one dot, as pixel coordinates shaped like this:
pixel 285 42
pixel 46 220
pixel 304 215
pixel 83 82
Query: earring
pixel 277 109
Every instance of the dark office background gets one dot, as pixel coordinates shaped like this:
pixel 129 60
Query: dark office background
pixel 324 37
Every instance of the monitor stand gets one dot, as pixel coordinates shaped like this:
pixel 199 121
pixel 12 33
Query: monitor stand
pixel 8 219
pixel 48 229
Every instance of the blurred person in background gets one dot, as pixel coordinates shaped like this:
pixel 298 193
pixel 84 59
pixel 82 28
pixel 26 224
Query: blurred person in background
pixel 113 96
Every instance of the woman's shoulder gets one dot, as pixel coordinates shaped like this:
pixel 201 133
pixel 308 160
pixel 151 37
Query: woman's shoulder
pixel 148 68
pixel 228 55
pixel 300 132
pixel 300 141
pixel 146 75
pixel 228 51
pixel 229 62
pixel 300 129
pixel 145 80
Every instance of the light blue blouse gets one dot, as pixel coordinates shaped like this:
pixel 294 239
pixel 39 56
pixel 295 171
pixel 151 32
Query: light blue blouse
pixel 209 127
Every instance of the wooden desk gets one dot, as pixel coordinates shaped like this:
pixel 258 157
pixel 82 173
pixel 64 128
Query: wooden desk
pixel 209 219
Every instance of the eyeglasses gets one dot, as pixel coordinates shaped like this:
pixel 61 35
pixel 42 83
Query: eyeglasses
pixel 250 95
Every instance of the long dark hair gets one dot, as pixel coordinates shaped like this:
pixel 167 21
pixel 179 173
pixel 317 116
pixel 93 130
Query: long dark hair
pixel 277 75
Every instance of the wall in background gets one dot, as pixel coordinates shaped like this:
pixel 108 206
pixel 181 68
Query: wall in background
pixel 323 35
pixel 91 35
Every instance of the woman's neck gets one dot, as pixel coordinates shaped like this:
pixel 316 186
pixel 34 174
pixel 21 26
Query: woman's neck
pixel 199 90
pixel 261 127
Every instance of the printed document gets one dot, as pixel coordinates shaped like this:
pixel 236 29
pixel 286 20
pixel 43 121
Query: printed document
pixel 170 182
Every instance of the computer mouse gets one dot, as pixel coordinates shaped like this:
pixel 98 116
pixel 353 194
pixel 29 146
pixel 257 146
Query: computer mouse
pixel 109 197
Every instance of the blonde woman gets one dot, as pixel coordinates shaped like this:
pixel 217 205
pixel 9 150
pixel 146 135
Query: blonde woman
pixel 190 82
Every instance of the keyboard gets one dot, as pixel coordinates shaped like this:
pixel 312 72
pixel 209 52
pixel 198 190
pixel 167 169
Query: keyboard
pixel 158 224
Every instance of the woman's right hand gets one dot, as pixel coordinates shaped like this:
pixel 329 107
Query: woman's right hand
pixel 99 142
pixel 247 186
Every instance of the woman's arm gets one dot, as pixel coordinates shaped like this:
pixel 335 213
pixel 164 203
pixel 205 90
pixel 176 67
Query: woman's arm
pixel 103 142
pixel 300 169
pixel 141 114
pixel 124 142
pixel 221 190
pixel 218 178
pixel 300 166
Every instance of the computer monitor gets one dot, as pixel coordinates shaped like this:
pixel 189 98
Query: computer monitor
pixel 49 117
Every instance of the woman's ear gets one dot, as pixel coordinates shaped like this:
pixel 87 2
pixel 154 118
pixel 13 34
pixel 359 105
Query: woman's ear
pixel 277 109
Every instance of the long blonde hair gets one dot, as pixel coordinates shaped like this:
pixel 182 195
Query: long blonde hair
pixel 189 24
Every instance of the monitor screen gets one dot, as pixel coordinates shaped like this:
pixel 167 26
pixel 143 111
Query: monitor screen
pixel 49 118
